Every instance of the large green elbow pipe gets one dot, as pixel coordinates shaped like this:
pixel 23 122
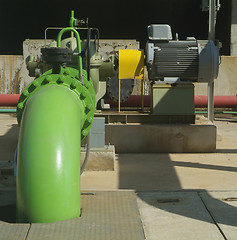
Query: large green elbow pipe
pixel 55 112
pixel 49 156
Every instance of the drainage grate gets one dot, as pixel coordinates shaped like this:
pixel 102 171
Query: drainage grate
pixel 106 216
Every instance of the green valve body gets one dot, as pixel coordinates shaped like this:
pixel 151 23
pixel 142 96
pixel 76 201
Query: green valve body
pixel 55 113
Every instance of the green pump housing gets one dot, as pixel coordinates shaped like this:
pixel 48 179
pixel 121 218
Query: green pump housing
pixel 55 113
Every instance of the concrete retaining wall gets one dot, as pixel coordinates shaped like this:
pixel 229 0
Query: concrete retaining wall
pixel 226 83
pixel 233 38
pixel 10 73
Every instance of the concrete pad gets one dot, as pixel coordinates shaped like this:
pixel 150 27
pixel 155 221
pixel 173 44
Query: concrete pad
pixel 99 180
pixel 100 159
pixel 8 136
pixel 213 171
pixel 223 208
pixel 160 138
pixel 226 134
pixel 176 215
pixel 146 172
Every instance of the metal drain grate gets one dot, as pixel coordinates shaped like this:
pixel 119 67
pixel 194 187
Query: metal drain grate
pixel 105 216
pixel 10 231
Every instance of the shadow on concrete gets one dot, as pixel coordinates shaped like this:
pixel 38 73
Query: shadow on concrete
pixel 8 213
pixel 147 171
pixel 8 143
pixel 225 119
pixel 156 173
pixel 226 150
pixel 8 206
pixel 205 166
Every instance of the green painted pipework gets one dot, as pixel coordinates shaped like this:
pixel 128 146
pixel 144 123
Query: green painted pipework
pixel 218 112
pixel 55 113
pixel 72 22
pixel 48 182
pixel 7 110
pixel 71 29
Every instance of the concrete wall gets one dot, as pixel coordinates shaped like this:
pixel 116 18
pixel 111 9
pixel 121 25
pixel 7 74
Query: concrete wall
pixel 226 83
pixel 10 73
pixel 233 40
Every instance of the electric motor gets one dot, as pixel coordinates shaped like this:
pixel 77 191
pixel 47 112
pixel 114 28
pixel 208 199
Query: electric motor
pixel 188 60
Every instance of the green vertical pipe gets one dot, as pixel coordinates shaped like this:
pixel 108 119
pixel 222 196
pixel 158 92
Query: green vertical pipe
pixel 72 19
pixel 48 168
pixel 72 22
pixel 59 39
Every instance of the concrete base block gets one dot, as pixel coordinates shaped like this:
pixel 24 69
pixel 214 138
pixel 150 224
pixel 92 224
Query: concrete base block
pixel 100 159
pixel 162 138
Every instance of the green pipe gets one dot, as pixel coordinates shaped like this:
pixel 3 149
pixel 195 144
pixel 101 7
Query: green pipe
pixel 59 38
pixel 48 168
pixel 10 110
pixel 218 112
pixel 72 21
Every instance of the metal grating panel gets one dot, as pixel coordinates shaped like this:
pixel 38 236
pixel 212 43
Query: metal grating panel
pixel 105 216
pixel 13 231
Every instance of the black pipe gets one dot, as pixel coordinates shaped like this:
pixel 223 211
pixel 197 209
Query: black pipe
pixel 88 46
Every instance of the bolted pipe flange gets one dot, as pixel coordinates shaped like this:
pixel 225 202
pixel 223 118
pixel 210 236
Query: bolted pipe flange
pixel 85 93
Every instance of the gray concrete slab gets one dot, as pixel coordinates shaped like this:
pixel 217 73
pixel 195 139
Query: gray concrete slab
pixel 223 208
pixel 176 215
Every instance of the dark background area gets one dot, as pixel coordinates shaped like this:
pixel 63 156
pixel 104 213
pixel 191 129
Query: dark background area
pixel 118 19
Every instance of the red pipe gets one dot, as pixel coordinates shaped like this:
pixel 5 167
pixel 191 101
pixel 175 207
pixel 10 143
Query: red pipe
pixel 200 101
pixel 10 100
pixel 219 101
pixel 135 101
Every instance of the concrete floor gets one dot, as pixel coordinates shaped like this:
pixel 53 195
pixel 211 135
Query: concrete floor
pixel 180 196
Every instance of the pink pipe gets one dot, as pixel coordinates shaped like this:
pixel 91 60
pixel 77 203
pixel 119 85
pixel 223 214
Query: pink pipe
pixel 10 100
pixel 135 101
pixel 200 101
